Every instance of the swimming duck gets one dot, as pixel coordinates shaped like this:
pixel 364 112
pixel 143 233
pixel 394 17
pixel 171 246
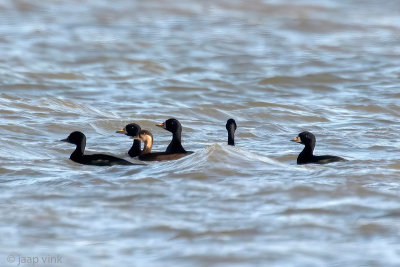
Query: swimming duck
pixel 147 138
pixel 307 156
pixel 174 126
pixel 231 128
pixel 132 130
pixel 79 139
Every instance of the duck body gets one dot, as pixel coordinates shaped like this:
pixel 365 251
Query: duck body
pixel 132 130
pixel 302 159
pixel 78 156
pixel 307 155
pixel 147 138
pixel 162 156
pixel 99 160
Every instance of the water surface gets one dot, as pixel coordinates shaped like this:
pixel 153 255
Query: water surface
pixel 277 67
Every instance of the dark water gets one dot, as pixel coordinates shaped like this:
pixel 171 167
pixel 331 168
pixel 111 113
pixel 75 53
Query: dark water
pixel 277 67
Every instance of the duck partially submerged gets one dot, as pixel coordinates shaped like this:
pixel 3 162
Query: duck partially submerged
pixel 79 139
pixel 306 156
pixel 231 128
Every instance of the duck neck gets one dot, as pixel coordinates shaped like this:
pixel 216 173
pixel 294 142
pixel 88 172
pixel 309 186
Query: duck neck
pixel 231 137
pixel 307 152
pixel 79 150
pixel 175 146
pixel 176 136
pixel 135 149
pixel 148 144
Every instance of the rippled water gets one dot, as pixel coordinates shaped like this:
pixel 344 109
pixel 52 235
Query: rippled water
pixel 277 67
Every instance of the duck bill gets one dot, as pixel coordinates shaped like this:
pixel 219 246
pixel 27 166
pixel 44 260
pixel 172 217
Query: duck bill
pixel 122 131
pixel 162 125
pixel 296 139
pixel 64 140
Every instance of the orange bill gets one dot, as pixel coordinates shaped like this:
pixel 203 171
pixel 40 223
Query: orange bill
pixel 296 139
pixel 122 131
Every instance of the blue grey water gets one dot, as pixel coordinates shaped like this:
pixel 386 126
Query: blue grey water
pixel 278 67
